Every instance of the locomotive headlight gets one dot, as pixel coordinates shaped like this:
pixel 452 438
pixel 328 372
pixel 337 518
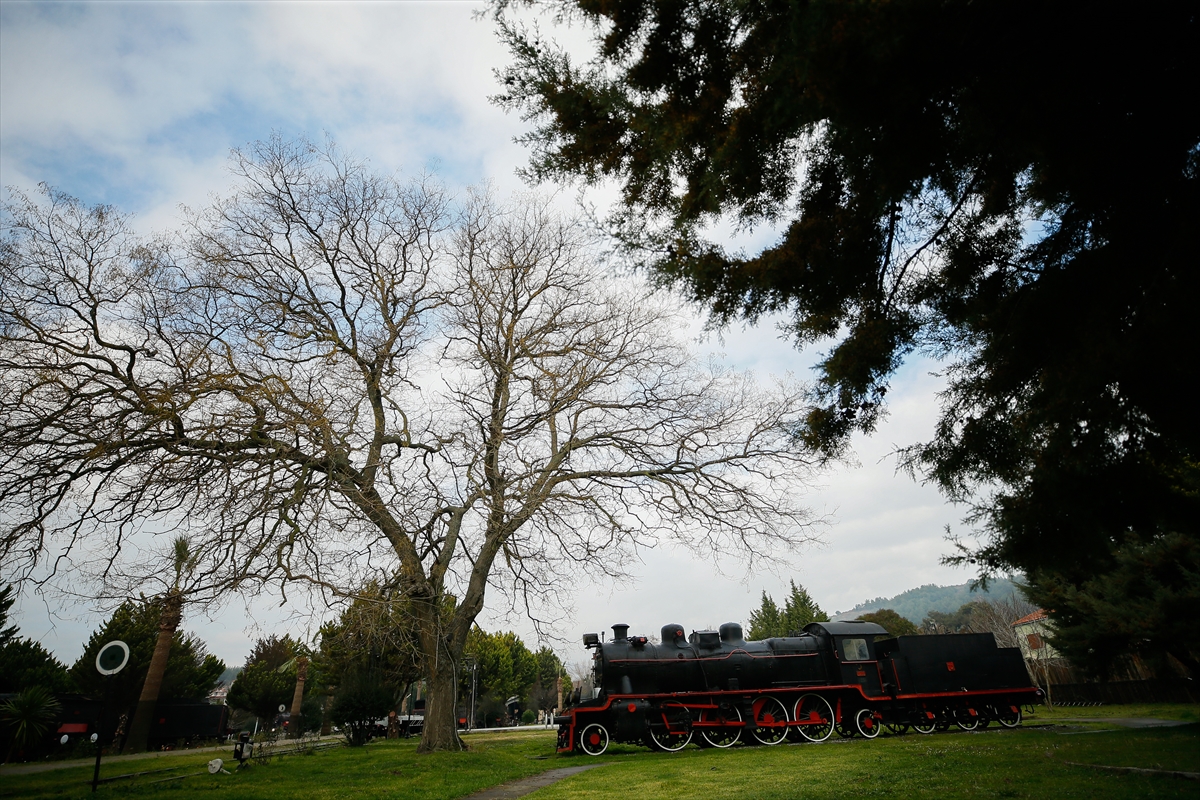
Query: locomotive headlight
pixel 591 640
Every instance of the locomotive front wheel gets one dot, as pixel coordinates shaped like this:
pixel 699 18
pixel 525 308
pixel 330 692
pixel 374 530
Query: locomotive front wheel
pixel 770 719
pixel 593 739
pixel 816 715
pixel 726 735
pixel 866 724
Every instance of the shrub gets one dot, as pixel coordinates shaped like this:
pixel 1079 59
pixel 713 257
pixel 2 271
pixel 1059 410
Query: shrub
pixel 28 716
pixel 358 703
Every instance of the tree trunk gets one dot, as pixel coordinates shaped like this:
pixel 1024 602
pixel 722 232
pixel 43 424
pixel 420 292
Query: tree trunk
pixel 326 723
pixel 168 623
pixel 295 724
pixel 441 723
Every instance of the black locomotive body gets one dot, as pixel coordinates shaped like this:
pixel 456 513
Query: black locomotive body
pixel 717 689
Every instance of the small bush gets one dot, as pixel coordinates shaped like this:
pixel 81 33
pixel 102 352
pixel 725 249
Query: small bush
pixel 28 716
pixel 359 701
pixel 528 717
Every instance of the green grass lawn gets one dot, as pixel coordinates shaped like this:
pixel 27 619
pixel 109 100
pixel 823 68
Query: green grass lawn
pixel 1029 762
pixel 383 769
pixel 1026 763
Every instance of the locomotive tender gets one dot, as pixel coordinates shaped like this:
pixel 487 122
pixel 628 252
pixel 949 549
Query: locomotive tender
pixel 716 689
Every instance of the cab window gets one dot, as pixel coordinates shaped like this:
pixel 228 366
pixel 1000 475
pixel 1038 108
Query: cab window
pixel 855 650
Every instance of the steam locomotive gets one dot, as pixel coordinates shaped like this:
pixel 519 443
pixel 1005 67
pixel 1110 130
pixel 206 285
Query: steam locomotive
pixel 716 689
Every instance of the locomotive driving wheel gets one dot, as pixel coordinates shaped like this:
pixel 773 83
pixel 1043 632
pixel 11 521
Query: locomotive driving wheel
pixel 770 719
pixel 593 739
pixel 670 728
pixel 1008 716
pixel 966 718
pixel 816 717
pixel 924 724
pixel 726 734
pixel 865 723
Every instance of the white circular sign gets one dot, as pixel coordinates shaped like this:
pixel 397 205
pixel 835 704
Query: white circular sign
pixel 64 739
pixel 112 658
pixel 95 736
pixel 282 708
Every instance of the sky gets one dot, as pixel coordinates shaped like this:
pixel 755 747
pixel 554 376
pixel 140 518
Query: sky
pixel 139 104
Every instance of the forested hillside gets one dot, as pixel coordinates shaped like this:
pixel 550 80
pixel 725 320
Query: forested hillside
pixel 916 603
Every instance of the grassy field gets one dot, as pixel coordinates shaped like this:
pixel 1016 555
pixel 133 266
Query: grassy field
pixel 1030 762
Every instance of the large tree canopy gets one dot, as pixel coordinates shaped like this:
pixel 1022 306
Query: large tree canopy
pixel 334 377
pixel 1009 187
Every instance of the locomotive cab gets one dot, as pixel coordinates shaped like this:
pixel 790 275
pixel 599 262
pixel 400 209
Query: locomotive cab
pixel 851 646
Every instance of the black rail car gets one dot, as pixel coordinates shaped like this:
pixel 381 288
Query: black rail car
pixel 179 721
pixel 717 689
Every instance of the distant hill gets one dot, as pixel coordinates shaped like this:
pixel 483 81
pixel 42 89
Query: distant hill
pixel 228 675
pixel 916 603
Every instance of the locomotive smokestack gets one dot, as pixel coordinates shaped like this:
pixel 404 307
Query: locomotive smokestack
pixel 620 632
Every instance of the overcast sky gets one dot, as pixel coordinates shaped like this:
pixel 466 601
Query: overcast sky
pixel 139 104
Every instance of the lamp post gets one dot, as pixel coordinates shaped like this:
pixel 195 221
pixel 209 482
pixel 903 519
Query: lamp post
pixel 470 663
pixel 111 659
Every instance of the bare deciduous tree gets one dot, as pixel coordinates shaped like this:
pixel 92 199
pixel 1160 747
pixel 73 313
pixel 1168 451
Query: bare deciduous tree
pixel 339 378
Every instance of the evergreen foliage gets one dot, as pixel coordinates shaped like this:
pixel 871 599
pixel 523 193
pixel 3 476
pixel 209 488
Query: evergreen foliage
pixel 1147 605
pixel 8 597
pixel 979 182
pixel 377 635
pixel 361 700
pixel 24 663
pixel 28 716
pixel 506 669
pixel 550 671
pixel 916 604
pixel 798 611
pixel 957 621
pixel 191 671
pixel 268 679
pixel 895 624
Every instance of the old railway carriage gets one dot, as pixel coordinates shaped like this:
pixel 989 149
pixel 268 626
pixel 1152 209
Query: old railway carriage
pixel 716 689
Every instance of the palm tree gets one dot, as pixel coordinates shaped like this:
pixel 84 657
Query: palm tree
pixel 183 562
pixel 30 714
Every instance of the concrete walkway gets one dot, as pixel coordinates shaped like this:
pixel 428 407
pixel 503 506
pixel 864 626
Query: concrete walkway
pixel 509 791
pixel 48 766
pixel 1126 722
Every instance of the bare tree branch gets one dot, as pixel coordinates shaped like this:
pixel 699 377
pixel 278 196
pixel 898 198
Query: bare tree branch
pixel 341 380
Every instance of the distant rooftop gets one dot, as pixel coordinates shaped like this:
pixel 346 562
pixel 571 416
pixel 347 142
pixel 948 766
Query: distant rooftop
pixel 1034 617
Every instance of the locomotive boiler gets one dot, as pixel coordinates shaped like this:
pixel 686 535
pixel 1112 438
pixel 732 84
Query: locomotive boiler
pixel 716 689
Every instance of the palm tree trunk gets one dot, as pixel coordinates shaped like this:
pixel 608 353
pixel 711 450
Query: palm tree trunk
pixel 168 623
pixel 295 726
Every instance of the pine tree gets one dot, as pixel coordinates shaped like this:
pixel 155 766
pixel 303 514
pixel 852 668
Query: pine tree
pixel 766 621
pixel 800 610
